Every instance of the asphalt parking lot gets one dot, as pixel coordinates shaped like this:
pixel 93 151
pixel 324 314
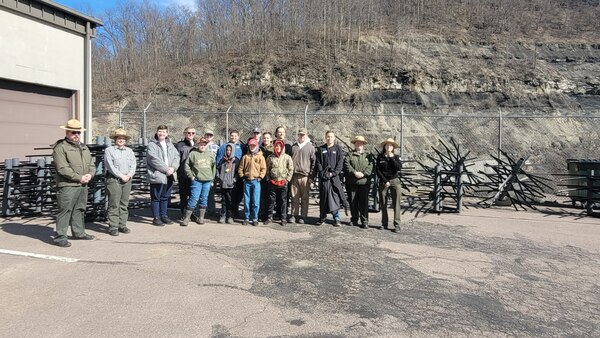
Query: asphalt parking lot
pixel 484 272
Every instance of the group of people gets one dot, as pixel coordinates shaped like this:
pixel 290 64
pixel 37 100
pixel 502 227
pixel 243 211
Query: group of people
pixel 264 173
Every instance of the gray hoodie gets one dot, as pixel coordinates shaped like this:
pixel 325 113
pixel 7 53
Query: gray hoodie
pixel 157 168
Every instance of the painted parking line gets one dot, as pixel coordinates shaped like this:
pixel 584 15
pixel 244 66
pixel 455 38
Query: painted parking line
pixel 40 256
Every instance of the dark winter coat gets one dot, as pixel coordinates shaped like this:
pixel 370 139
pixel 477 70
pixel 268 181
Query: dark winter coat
pixel 328 168
pixel 358 162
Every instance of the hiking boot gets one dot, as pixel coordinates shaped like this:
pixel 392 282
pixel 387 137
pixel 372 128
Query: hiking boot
pixel 113 232
pixel 201 216
pixel 63 244
pixel 186 219
pixel 124 230
pixel 85 237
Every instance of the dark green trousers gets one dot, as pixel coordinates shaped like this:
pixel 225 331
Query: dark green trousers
pixel 395 190
pixel 71 211
pixel 118 202
pixel 359 203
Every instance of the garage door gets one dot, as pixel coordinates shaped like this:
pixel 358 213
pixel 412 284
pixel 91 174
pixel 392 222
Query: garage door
pixel 30 117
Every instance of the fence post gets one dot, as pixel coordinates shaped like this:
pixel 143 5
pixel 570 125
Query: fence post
pixel 499 130
pixel 305 117
pixel 227 125
pixel 401 132
pixel 145 121
pixel 121 117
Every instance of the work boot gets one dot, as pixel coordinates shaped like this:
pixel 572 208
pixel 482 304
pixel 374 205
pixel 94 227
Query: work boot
pixel 166 219
pixel 201 215
pixel 186 219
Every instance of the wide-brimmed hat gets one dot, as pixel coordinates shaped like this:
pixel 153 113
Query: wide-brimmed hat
pixel 359 138
pixel 73 125
pixel 119 132
pixel 390 141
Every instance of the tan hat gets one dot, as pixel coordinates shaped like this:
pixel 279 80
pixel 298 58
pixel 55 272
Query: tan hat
pixel 359 138
pixel 209 132
pixel 302 131
pixel 73 125
pixel 119 132
pixel 390 141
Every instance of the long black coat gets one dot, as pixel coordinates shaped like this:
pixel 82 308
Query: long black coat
pixel 328 168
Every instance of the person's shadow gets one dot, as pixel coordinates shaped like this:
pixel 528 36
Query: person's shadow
pixel 31 228
pixel 42 230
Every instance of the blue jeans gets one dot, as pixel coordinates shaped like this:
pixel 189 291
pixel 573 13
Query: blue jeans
pixel 336 215
pixel 251 191
pixel 159 198
pixel 200 190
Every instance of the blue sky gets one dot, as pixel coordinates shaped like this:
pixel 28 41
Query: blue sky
pixel 97 7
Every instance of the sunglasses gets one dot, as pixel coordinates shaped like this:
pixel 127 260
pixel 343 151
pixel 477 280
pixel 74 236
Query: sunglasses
pixel 190 132
pixel 75 132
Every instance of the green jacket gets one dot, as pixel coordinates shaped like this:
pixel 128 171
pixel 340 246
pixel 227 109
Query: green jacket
pixel 200 166
pixel 280 168
pixel 356 162
pixel 71 161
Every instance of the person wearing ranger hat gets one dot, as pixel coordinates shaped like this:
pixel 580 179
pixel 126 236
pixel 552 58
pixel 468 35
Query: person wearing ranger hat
pixel 120 164
pixel 358 166
pixel 388 168
pixel 74 170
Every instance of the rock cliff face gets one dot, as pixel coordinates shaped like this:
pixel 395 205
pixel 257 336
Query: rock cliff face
pixel 422 77
pixel 419 75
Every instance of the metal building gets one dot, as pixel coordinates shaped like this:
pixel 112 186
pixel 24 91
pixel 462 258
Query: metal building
pixel 45 73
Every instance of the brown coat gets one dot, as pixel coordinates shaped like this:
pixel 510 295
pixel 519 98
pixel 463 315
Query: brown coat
pixel 253 166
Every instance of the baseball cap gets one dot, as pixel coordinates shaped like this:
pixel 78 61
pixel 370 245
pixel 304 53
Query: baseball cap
pixel 256 130
pixel 302 131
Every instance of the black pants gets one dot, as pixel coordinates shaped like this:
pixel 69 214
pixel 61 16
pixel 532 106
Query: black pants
pixel 226 202
pixel 185 190
pixel 278 197
pixel 264 199
pixel 237 195
pixel 359 203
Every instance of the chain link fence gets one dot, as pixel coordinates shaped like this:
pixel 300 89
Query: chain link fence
pixel 546 140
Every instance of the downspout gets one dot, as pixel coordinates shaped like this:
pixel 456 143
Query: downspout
pixel 87 83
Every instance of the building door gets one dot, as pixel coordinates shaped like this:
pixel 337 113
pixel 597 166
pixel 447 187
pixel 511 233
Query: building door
pixel 30 117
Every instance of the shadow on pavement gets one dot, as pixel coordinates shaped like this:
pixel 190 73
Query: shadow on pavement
pixel 40 232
